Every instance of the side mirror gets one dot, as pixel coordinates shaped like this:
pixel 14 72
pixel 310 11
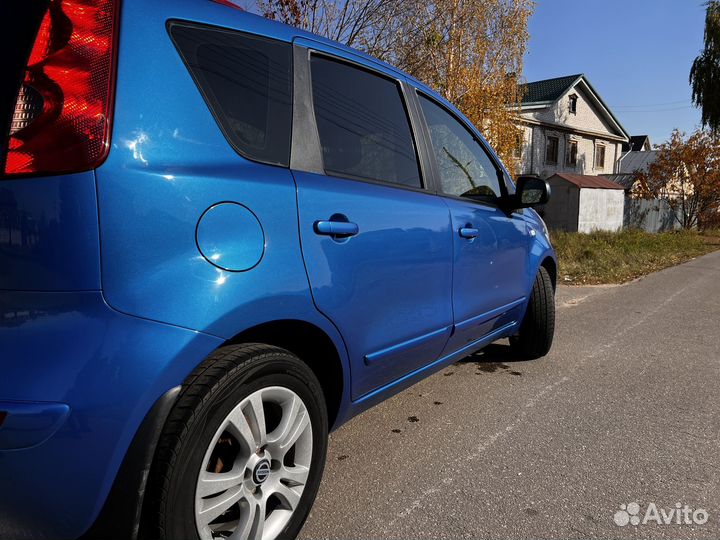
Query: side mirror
pixel 530 191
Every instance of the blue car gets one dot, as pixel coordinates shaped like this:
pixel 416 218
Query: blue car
pixel 220 238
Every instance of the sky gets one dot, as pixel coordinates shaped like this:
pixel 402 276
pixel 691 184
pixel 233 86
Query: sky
pixel 637 54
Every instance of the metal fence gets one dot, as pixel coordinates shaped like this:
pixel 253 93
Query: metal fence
pixel 651 215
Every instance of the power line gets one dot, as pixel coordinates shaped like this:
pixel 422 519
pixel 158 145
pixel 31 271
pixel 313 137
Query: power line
pixel 658 110
pixel 649 104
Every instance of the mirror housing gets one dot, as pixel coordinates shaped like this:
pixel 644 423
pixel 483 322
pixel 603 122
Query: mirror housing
pixel 530 191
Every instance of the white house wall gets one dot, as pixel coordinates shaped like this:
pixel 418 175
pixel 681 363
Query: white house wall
pixel 587 117
pixel 601 210
pixel 534 141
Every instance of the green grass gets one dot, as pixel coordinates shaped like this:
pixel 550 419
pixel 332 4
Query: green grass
pixel 602 257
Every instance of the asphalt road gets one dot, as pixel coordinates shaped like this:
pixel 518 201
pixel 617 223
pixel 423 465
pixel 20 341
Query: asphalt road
pixel 626 408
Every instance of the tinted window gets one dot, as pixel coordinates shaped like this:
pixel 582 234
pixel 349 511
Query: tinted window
pixel 464 165
pixel 246 82
pixel 363 125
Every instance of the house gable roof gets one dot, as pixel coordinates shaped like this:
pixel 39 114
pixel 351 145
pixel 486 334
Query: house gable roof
pixel 588 182
pixel 547 91
pixel 636 144
pixel 541 94
pixel 637 161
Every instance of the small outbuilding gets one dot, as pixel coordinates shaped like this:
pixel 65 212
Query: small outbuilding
pixel 582 203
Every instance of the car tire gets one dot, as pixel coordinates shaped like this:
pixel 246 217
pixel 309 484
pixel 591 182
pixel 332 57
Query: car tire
pixel 538 326
pixel 211 452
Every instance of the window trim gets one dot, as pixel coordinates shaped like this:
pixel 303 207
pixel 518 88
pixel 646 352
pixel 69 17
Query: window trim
pixel 433 162
pixel 599 145
pixel 305 150
pixel 424 184
pixel 568 153
pixel 199 84
pixel 573 101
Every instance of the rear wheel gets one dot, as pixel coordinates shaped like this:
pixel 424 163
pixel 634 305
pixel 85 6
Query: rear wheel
pixel 538 327
pixel 243 451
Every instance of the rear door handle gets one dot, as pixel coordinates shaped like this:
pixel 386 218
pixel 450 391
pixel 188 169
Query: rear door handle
pixel 336 228
pixel 468 232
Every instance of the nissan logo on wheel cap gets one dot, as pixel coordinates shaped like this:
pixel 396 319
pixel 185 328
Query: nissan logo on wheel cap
pixel 261 472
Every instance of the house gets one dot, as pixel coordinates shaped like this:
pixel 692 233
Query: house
pixel 638 143
pixel 638 157
pixel 630 164
pixel 582 203
pixel 567 128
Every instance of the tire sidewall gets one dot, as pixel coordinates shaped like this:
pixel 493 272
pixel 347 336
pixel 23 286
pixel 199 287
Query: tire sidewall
pixel 535 335
pixel 277 370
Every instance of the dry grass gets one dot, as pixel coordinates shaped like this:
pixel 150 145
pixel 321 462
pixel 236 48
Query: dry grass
pixel 603 257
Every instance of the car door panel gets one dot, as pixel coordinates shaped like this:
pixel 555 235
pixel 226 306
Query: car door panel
pixel 377 246
pixel 489 271
pixel 387 289
pixel 489 245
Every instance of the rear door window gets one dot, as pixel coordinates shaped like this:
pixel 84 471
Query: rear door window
pixel 247 83
pixel 363 124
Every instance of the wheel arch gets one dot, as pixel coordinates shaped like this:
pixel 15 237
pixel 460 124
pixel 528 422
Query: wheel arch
pixel 313 346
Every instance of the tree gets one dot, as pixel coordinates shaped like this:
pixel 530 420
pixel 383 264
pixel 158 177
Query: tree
pixel 705 71
pixel 471 51
pixel 356 23
pixel 686 174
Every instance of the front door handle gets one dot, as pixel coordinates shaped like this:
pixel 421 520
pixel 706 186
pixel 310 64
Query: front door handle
pixel 468 232
pixel 336 228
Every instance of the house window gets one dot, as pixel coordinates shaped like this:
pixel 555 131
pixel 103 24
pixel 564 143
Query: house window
pixel 571 155
pixel 600 156
pixel 573 104
pixel 551 150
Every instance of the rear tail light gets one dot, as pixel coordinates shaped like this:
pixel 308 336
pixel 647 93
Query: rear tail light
pixel 229 3
pixel 61 121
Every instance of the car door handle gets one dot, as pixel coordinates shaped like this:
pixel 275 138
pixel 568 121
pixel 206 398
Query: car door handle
pixel 336 228
pixel 468 232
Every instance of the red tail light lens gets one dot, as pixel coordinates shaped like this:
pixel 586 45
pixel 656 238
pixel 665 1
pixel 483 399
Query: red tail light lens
pixel 229 3
pixel 62 115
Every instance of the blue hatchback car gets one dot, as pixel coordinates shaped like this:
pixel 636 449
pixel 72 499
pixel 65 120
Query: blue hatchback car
pixel 221 237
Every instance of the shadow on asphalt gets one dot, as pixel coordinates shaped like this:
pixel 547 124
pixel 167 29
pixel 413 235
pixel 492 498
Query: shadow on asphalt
pixel 492 359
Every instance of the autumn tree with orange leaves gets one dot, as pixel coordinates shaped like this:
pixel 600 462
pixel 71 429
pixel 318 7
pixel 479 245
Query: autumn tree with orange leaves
pixel 686 174
pixel 471 51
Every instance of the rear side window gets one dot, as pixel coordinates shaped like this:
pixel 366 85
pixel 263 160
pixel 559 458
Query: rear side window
pixel 247 83
pixel 363 125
